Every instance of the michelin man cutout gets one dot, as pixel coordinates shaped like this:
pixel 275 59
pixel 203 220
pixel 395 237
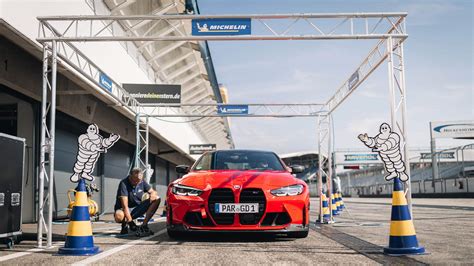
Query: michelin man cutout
pixel 387 144
pixel 91 144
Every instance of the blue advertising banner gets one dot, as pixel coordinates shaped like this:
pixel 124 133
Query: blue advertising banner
pixel 353 80
pixel 218 26
pixel 228 109
pixel 105 82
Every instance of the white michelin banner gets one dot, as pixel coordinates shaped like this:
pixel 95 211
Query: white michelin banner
pixel 452 129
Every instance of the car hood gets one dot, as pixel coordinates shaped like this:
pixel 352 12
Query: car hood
pixel 225 178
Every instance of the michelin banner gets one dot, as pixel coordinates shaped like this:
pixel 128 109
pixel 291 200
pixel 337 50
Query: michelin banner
pixel 217 26
pixel 452 129
pixel 155 93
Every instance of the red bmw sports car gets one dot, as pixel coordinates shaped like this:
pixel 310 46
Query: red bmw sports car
pixel 236 191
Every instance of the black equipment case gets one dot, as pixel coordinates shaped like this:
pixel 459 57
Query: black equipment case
pixel 12 150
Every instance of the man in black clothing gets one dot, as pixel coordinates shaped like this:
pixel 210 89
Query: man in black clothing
pixel 135 197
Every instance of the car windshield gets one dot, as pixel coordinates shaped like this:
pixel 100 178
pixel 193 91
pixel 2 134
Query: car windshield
pixel 246 160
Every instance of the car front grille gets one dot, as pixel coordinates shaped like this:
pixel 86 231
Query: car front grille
pixel 252 195
pixel 221 195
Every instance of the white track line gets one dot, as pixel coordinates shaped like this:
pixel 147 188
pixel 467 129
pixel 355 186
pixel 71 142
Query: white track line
pixel 24 253
pixel 117 249
pixel 57 244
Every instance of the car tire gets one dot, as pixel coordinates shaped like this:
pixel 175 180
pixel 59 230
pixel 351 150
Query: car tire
pixel 174 234
pixel 301 234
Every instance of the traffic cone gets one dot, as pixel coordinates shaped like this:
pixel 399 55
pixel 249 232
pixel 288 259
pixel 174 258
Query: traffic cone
pixel 341 201
pixel 325 210
pixel 79 239
pixel 338 202
pixel 333 205
pixel 326 214
pixel 402 231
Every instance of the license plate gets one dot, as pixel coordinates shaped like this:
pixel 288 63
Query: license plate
pixel 236 208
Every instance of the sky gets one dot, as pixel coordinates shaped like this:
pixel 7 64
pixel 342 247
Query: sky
pixel 438 65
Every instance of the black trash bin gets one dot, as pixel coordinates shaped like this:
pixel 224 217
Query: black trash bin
pixel 12 151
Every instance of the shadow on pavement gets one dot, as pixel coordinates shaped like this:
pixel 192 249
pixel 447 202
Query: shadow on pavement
pixel 236 237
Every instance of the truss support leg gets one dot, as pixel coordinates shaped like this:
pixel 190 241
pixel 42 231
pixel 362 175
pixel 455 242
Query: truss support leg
pixel 42 173
pixel 324 159
pixel 320 173
pixel 398 109
pixel 137 141
pixel 47 145
pixel 142 141
pixel 329 163
pixel 52 117
pixel 147 138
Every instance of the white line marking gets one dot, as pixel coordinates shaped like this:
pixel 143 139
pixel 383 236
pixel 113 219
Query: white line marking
pixel 117 249
pixel 57 244
pixel 24 253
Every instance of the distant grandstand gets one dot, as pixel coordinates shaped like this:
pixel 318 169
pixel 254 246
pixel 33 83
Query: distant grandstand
pixel 365 177
pixel 307 159
pixel 456 176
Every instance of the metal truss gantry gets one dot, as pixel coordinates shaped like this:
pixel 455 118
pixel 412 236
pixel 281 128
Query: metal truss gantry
pixel 304 26
pixel 57 34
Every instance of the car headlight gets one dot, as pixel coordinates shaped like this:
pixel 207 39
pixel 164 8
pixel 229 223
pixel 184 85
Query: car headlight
pixel 288 191
pixel 185 190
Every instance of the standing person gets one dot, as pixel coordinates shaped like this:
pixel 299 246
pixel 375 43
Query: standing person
pixel 135 197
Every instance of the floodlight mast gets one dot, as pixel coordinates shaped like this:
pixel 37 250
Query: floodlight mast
pixel 389 28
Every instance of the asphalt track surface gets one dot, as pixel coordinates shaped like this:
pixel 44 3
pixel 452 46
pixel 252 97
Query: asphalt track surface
pixel 356 238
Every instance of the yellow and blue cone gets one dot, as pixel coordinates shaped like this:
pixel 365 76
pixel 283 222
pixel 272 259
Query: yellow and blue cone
pixel 403 239
pixel 341 201
pixel 79 239
pixel 326 214
pixel 325 210
pixel 333 205
pixel 338 202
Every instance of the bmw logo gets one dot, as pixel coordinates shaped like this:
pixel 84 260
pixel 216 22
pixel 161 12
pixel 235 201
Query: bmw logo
pixel 236 186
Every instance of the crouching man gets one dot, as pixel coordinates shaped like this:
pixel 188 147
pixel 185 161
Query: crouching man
pixel 135 197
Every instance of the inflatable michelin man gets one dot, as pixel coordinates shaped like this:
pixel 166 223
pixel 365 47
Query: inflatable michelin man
pixel 387 144
pixel 91 144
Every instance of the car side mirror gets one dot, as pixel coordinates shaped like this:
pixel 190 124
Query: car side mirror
pixel 182 169
pixel 296 169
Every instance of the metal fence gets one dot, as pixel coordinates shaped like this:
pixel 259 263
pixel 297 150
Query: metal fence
pixel 455 176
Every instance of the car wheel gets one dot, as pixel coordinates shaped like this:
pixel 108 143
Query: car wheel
pixel 301 234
